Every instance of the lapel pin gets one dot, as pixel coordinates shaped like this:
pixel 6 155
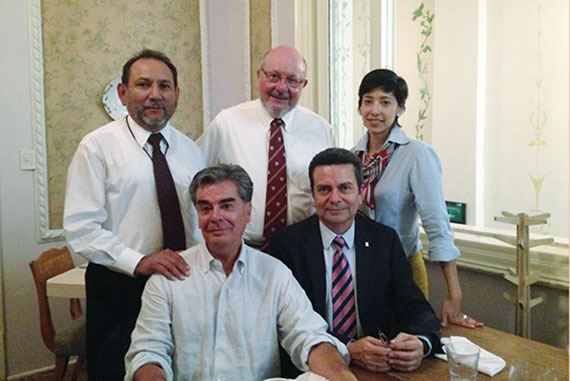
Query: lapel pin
pixel 366 244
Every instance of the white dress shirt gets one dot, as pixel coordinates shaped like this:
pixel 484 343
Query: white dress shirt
pixel 240 135
pixel 329 249
pixel 111 214
pixel 411 186
pixel 213 327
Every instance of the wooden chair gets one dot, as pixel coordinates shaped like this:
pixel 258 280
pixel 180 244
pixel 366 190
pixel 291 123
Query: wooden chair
pixel 69 341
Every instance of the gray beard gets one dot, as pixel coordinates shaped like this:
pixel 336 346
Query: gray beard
pixel 156 122
pixel 274 114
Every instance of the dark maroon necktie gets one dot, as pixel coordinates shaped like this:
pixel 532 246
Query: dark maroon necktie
pixel 172 224
pixel 276 194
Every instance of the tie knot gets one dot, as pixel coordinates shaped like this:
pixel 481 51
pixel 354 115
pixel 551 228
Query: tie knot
pixel 277 123
pixel 155 139
pixel 339 242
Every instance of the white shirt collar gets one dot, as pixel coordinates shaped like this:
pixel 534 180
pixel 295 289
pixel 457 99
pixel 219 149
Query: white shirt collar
pixel 206 260
pixel 141 135
pixel 328 235
pixel 266 118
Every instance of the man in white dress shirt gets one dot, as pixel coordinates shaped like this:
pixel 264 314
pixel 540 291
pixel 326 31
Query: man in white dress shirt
pixel 226 320
pixel 241 134
pixel 112 215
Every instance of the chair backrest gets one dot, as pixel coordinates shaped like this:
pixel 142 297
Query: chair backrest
pixel 49 264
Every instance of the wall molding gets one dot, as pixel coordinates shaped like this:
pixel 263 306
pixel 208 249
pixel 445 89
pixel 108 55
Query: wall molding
pixel 205 60
pixel 274 24
pixel 341 68
pixel 247 50
pixel 43 231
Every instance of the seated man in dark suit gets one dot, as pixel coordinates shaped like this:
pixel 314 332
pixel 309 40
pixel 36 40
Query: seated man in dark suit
pixel 355 272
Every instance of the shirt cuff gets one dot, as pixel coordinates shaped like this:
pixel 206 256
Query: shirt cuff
pixel 128 261
pixel 339 345
pixel 425 340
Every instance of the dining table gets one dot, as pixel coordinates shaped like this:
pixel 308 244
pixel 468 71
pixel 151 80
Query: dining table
pixel 513 349
pixel 69 284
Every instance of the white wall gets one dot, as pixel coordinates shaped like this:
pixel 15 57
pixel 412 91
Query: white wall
pixel 228 48
pixel 228 57
pixel 454 108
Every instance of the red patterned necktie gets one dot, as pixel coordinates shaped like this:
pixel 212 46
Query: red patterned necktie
pixel 174 237
pixel 276 196
pixel 344 310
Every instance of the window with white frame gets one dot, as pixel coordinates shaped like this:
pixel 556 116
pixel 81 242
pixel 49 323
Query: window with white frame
pixel 488 87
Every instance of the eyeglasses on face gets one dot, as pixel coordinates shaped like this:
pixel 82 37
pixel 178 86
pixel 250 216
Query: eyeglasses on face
pixel 291 82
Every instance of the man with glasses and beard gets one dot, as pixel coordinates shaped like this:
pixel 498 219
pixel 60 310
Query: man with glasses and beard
pixel 273 139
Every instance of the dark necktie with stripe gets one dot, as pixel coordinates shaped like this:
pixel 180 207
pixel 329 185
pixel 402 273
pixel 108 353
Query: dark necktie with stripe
pixel 344 309
pixel 276 195
pixel 174 237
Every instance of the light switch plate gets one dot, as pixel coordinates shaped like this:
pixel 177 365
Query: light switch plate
pixel 27 160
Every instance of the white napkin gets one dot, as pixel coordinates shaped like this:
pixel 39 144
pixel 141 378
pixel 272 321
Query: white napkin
pixel 489 363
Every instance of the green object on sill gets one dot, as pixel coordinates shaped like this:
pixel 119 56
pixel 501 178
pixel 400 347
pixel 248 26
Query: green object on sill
pixel 456 211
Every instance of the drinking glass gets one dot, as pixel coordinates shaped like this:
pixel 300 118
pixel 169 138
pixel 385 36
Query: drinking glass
pixel 523 370
pixel 462 361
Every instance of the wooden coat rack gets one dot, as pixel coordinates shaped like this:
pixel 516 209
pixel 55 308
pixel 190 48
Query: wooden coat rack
pixel 522 277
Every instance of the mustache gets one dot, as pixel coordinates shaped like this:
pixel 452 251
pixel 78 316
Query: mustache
pixel 155 104
pixel 280 95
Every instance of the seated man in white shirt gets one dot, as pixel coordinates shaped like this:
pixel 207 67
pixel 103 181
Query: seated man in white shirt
pixel 226 320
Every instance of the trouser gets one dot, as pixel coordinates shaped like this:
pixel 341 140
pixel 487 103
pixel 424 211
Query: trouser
pixel 113 304
pixel 419 272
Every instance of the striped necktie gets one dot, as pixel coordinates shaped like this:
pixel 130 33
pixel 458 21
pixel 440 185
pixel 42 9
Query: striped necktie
pixel 344 309
pixel 276 195
pixel 173 236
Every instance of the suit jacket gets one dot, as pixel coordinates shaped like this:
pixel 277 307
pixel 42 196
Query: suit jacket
pixel 388 298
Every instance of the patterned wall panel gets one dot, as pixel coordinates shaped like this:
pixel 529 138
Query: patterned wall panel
pixel 260 37
pixel 85 44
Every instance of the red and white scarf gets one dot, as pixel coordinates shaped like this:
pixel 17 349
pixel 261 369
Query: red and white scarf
pixel 373 168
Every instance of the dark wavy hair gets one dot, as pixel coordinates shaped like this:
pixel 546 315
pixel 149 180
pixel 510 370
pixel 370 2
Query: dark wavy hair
pixel 220 173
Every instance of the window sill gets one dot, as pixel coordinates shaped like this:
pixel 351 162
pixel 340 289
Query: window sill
pixel 480 251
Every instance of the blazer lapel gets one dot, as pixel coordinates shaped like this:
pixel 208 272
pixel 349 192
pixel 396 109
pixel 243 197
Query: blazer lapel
pixel 316 262
pixel 364 263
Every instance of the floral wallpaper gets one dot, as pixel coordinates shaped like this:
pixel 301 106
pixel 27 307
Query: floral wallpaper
pixel 259 36
pixel 85 44
pixel 414 61
pixel 538 120
pixel 424 17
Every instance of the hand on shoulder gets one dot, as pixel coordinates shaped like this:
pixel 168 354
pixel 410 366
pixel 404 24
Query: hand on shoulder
pixel 165 262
